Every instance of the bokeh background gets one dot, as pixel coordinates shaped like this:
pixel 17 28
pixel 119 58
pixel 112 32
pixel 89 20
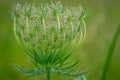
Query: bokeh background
pixel 102 21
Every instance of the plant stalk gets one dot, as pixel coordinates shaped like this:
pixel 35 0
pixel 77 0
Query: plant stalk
pixel 110 54
pixel 48 73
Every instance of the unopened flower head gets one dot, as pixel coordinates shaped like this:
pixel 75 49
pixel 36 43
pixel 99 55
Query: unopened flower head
pixel 49 31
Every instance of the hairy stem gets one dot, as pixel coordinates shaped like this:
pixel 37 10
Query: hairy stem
pixel 110 54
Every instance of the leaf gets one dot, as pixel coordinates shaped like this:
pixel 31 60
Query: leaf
pixel 110 53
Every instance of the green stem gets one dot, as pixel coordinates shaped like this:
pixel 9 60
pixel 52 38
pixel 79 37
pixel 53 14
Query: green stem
pixel 27 25
pixel 110 54
pixel 48 73
pixel 43 19
pixel 72 29
pixel 58 25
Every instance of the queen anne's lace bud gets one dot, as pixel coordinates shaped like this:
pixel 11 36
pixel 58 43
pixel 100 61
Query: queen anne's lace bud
pixel 48 32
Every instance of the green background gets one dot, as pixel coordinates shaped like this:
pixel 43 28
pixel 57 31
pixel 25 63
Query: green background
pixel 102 21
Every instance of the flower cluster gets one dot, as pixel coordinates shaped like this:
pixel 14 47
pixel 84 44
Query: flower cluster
pixel 48 32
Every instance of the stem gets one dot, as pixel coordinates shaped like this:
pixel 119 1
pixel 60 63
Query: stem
pixel 110 54
pixel 84 28
pixel 15 30
pixel 48 73
pixel 58 24
pixel 43 20
pixel 82 33
pixel 72 29
pixel 27 25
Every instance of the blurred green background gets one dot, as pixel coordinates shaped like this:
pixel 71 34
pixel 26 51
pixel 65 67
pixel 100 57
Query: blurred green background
pixel 102 21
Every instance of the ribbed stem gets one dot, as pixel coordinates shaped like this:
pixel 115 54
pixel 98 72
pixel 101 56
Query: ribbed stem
pixel 48 73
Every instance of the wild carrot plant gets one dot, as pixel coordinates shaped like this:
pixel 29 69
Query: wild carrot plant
pixel 48 33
